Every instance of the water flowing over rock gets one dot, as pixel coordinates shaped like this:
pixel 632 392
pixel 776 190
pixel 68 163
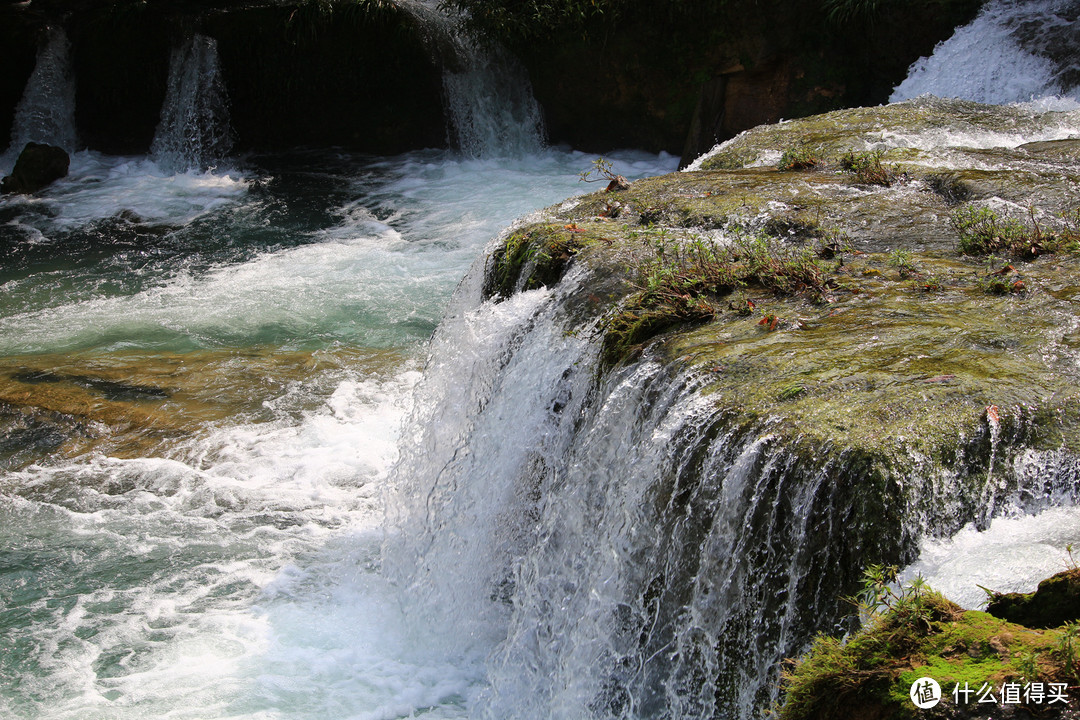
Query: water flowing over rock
pixel 46 112
pixel 489 102
pixel 1014 51
pixel 194 131
pixel 648 534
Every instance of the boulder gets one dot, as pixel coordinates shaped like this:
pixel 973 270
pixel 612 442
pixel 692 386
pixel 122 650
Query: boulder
pixel 1054 603
pixel 37 167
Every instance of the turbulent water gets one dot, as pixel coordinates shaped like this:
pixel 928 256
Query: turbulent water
pixel 265 455
pixel 203 380
pixel 1014 51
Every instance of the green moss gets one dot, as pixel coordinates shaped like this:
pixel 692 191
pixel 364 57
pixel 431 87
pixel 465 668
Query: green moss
pixel 535 256
pixel 685 282
pixel 1055 602
pixel 919 635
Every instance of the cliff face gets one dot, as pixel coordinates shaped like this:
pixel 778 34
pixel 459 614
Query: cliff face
pixel 835 335
pixel 685 79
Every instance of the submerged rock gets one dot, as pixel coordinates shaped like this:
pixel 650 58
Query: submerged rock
pixel 37 167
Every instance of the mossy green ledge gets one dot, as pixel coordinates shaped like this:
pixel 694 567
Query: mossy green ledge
pixel 948 376
pixel 985 668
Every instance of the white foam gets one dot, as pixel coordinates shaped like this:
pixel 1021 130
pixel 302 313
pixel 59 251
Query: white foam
pixel 103 186
pixel 1013 555
pixel 213 581
pixel 985 62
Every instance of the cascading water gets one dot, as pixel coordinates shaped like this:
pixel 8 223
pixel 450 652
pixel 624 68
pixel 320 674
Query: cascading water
pixel 622 546
pixel 1014 51
pixel 488 99
pixel 223 402
pixel 194 130
pixel 46 112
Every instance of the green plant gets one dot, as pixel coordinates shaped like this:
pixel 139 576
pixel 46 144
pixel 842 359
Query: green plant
pixel 601 170
pixel 867 168
pixel 797 158
pixel 684 278
pixel 1067 647
pixel 1028 666
pixel 883 594
pixel 934 283
pixel 901 260
pixel 983 231
pixel 998 278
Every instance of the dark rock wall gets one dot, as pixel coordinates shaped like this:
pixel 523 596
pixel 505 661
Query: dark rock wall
pixel 359 75
pixel 18 49
pixel 297 75
pixel 639 87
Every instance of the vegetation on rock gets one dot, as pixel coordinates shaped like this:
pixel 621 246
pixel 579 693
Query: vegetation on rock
pixel 1054 603
pixel 912 632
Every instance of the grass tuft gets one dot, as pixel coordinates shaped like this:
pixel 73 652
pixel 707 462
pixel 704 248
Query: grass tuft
pixel 684 281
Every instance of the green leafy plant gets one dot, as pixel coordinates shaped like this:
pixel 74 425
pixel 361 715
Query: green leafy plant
pixel 1028 666
pixel 901 260
pixel 798 158
pixel 868 168
pixel 982 231
pixel 1068 648
pixel 602 170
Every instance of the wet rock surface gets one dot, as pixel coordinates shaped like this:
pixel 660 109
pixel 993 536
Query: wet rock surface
pixel 37 167
pixel 1054 603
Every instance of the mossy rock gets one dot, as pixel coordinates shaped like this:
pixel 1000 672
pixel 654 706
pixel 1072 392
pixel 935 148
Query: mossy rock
pixel 927 636
pixel 533 257
pixel 918 366
pixel 1054 603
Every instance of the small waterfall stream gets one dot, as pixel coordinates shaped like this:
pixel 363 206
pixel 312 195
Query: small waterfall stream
pixel 46 112
pixel 1014 51
pixel 488 98
pixel 194 130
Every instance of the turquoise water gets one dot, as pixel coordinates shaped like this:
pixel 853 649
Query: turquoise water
pixel 203 379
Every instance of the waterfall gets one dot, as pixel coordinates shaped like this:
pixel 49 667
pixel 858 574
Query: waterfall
pixel 488 98
pixel 46 112
pixel 1014 51
pixel 194 130
pixel 620 545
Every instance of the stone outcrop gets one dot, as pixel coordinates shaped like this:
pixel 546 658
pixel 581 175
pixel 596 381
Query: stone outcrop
pixel 843 314
pixel 1054 603
pixel 37 167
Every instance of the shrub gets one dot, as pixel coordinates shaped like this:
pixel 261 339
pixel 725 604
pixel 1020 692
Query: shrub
pixel 797 158
pixel 867 168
